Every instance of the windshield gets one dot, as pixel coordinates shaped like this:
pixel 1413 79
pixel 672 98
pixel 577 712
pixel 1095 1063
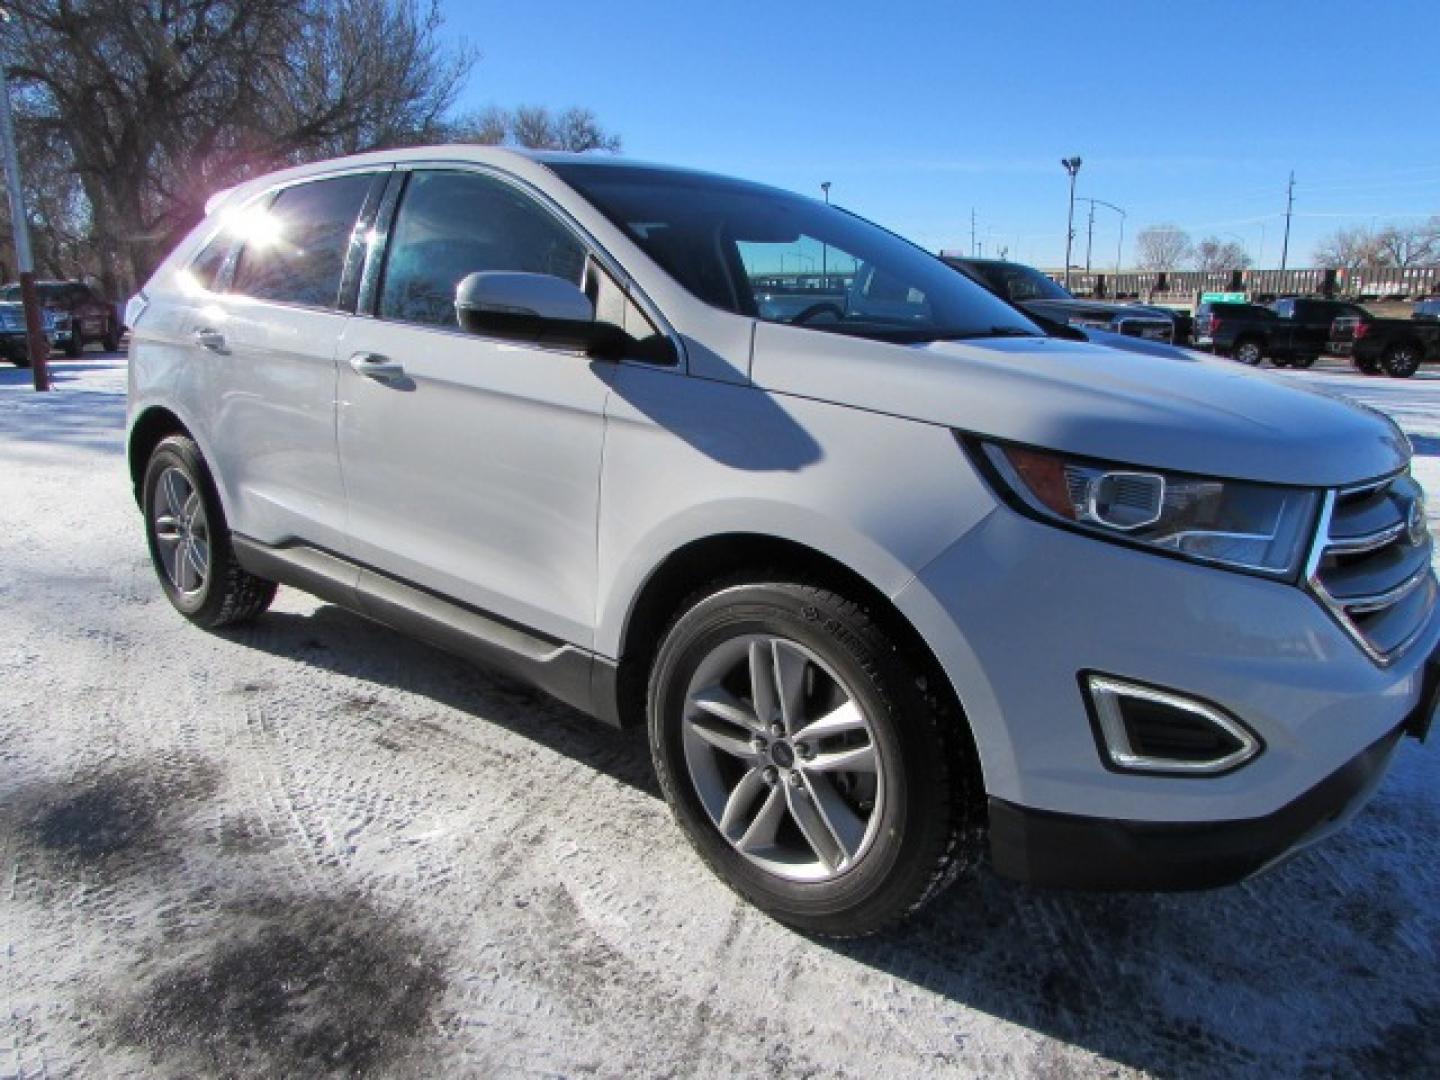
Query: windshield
pixel 1020 283
pixel 769 254
pixel 46 293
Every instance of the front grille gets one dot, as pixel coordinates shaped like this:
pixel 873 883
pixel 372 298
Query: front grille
pixel 1371 564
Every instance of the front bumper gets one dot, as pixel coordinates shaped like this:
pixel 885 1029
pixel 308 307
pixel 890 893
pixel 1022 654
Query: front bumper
pixel 1068 851
pixel 1015 609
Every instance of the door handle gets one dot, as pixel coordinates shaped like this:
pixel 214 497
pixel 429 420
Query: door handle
pixel 373 366
pixel 213 340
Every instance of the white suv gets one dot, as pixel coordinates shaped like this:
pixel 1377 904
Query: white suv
pixel 893 578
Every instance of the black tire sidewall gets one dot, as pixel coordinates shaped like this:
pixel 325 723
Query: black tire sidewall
pixel 882 885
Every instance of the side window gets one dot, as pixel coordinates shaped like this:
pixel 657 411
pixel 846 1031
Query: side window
pixel 205 267
pixel 453 224
pixel 1285 308
pixel 295 251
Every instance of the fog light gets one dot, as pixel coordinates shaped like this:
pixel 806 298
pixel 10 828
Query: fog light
pixel 1145 729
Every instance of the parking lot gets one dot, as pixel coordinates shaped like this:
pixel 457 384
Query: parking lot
pixel 312 846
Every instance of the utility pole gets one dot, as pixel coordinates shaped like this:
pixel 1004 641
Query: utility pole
pixel 1072 166
pixel 1289 208
pixel 1090 236
pixel 37 346
pixel 824 248
pixel 972 232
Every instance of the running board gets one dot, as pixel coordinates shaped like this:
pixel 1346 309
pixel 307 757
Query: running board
pixel 575 676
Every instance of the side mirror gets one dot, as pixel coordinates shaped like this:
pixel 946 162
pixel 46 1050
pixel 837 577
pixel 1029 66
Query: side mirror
pixel 534 308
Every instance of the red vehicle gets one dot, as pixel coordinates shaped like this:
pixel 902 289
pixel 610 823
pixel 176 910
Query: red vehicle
pixel 81 315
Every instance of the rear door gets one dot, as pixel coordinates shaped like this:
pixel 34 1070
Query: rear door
pixel 268 342
pixel 472 465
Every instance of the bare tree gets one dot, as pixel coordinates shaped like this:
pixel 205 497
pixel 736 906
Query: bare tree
pixel 160 104
pixel 1214 255
pixel 537 128
pixel 1410 245
pixel 1162 247
pixel 1349 249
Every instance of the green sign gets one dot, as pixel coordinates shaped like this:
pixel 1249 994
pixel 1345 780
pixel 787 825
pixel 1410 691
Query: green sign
pixel 1222 298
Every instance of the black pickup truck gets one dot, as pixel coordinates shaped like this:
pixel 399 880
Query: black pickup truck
pixel 1395 346
pixel 1291 332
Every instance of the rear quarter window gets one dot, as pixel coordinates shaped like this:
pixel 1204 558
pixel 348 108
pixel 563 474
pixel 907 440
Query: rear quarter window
pixel 295 250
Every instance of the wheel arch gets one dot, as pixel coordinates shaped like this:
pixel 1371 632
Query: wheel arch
pixel 152 425
pixel 710 560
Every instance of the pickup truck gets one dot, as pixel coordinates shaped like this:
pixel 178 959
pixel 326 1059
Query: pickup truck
pixel 1395 346
pixel 1291 332
pixel 81 315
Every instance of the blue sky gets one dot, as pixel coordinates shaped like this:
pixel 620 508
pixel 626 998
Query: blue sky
pixel 918 111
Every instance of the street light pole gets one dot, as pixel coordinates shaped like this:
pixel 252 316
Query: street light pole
pixel 37 346
pixel 1072 166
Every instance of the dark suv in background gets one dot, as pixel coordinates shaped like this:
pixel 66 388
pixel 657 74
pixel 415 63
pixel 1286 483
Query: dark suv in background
pixel 1293 332
pixel 1038 294
pixel 81 314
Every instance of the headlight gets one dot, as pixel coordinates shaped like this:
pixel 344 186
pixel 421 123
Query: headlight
pixel 1256 527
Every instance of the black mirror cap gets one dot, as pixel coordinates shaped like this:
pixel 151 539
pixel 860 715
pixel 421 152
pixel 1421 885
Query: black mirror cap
pixel 600 340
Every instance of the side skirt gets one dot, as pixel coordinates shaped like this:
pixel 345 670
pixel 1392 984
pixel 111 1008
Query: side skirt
pixel 573 675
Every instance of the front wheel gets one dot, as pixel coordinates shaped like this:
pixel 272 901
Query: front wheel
pixel 1401 361
pixel 808 762
pixel 1249 352
pixel 190 543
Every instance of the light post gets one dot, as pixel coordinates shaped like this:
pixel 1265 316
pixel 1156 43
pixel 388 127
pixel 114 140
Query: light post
pixel 1072 166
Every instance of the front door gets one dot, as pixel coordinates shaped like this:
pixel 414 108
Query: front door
pixel 472 466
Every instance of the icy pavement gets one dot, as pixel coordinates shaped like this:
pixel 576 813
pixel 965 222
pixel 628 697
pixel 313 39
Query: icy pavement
pixel 315 847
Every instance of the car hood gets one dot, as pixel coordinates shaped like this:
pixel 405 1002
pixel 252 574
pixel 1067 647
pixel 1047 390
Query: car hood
pixel 1190 412
pixel 1092 309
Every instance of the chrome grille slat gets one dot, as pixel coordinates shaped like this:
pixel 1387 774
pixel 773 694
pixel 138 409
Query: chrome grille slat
pixel 1369 570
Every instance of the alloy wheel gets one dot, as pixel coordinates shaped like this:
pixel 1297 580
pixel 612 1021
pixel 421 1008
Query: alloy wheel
pixel 182 533
pixel 783 758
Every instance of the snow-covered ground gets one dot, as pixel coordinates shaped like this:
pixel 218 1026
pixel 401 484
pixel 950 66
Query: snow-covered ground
pixel 313 846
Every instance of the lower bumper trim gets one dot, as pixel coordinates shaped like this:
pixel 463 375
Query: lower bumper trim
pixel 1041 847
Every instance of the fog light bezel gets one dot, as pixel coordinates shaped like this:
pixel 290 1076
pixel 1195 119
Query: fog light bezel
pixel 1102 693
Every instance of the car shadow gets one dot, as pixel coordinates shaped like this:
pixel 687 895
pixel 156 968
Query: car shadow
pixel 1325 965
pixel 334 639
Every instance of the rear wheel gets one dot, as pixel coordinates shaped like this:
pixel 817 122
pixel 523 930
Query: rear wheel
pixel 807 760
pixel 1401 361
pixel 190 542
pixel 1248 351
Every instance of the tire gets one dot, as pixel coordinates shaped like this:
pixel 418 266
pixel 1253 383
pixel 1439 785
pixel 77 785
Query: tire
pixel 20 361
pixel 1401 360
pixel 1279 361
pixel 1302 362
pixel 76 345
pixel 111 341
pixel 190 542
pixel 1366 367
pixel 909 826
pixel 1249 351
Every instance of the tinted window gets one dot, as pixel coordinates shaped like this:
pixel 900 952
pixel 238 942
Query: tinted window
pixel 453 224
pixel 294 251
pixel 760 251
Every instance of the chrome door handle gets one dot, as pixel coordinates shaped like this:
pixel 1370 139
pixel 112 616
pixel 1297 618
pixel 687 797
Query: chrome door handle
pixel 376 367
pixel 210 339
